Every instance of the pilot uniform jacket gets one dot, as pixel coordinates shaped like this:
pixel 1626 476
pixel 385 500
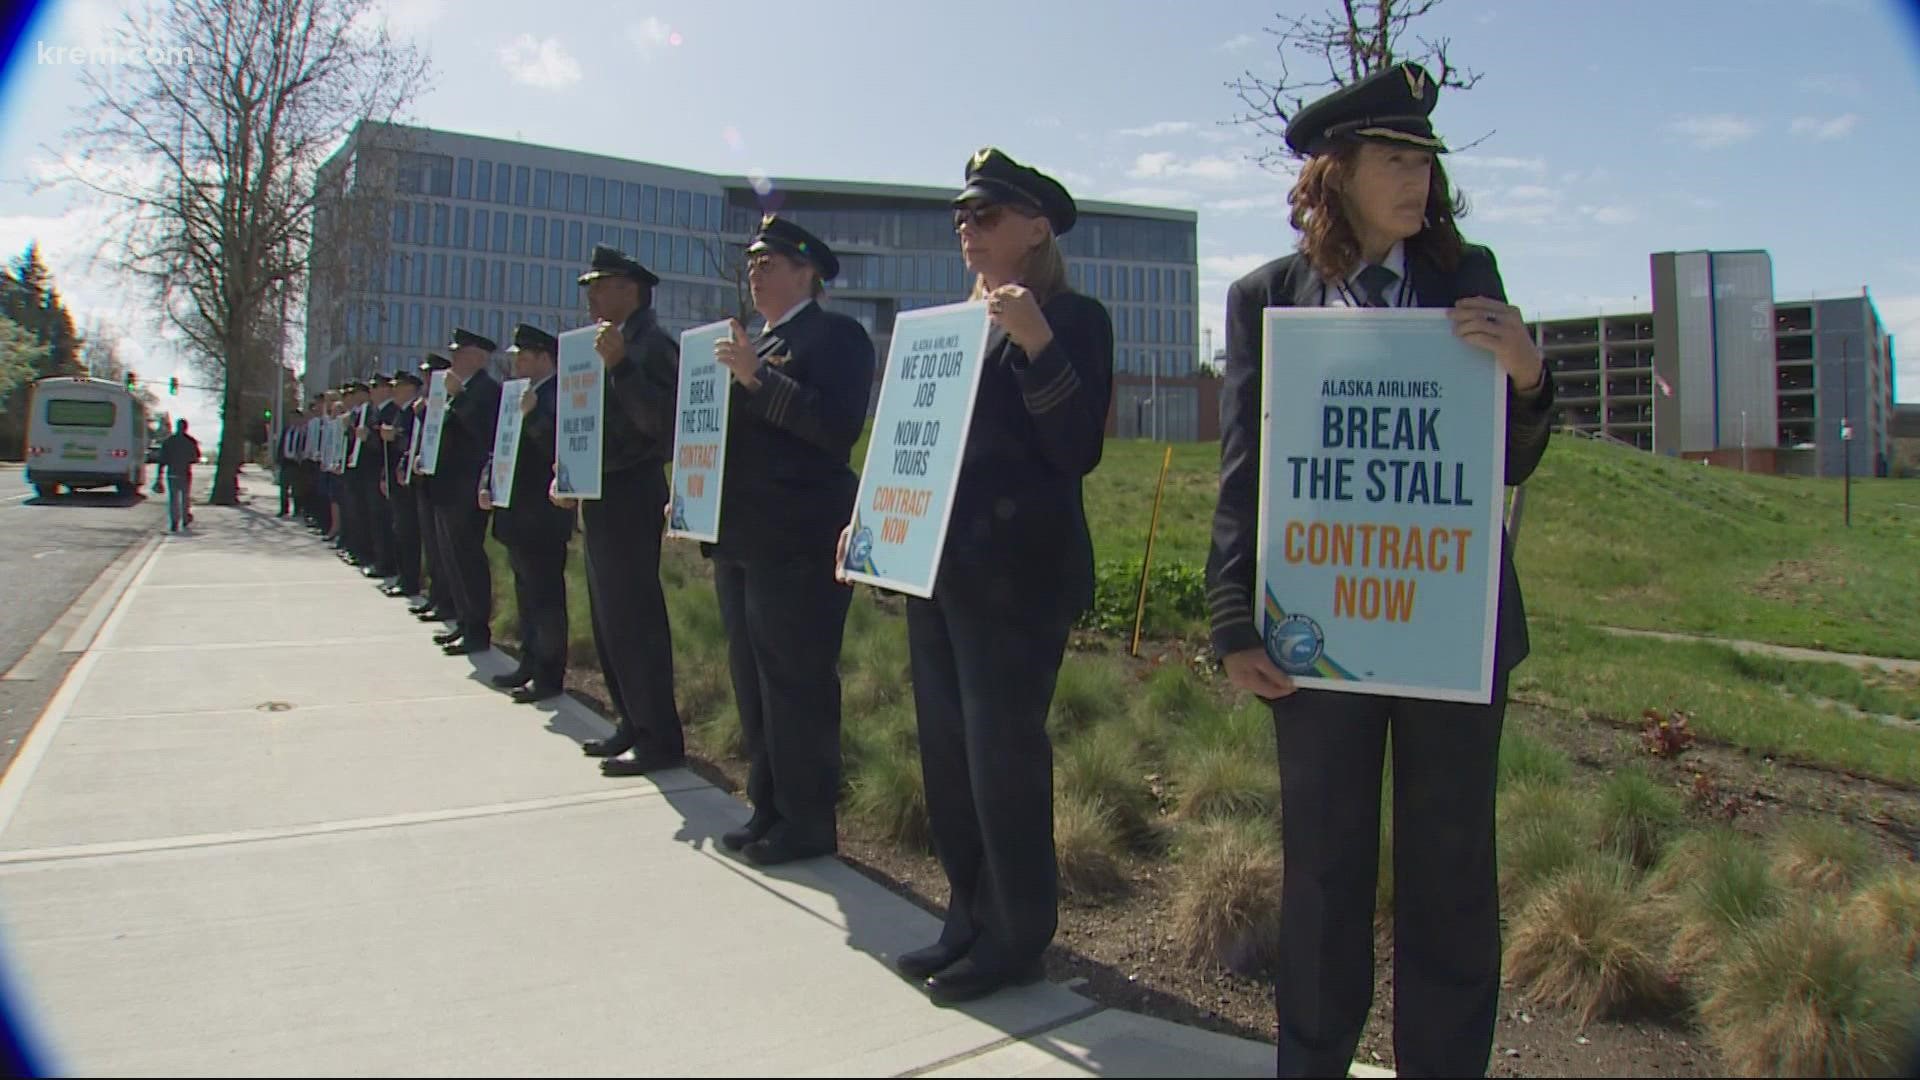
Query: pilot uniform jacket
pixel 1291 281
pixel 466 441
pixel 531 518
pixel 788 485
pixel 1018 542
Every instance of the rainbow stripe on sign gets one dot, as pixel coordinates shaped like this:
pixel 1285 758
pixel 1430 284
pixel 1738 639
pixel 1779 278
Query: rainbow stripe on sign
pixel 1300 653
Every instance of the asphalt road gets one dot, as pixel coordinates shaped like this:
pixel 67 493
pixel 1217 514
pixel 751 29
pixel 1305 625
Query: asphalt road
pixel 50 552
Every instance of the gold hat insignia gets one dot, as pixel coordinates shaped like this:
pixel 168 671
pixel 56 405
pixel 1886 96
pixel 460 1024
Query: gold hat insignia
pixel 980 157
pixel 767 220
pixel 1416 81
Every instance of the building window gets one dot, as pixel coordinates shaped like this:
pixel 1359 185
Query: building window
pixel 573 241
pixel 457 288
pixel 557 197
pixel 413 324
pixel 422 223
pixel 542 182
pixel 460 227
pixel 419 276
pixel 1106 282
pixel 629 240
pixel 517 284
pixel 536 283
pixel 680 250
pixel 483 181
pixel 537 238
pixel 577 193
pixel 556 239
pixel 555 283
pixel 1153 326
pixel 440 224
pixel 1139 283
pixel 502 183
pixel 463 178
pixel 522 180
pixel 498 292
pixel 1153 286
pixel 436 323
pixel 699 220
pixel 480 234
pixel 477 281
pixel 645 254
pixel 597 197
pixel 596 234
pixel 630 202
pixel 648 194
pixel 683 208
pixel 437 284
pixel 400 223
pixel 519 234
pixel 499 231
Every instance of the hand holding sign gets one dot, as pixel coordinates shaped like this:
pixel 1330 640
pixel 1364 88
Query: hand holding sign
pixel 528 399
pixel 559 500
pixel 735 353
pixel 1498 328
pixel 1015 310
pixel 1251 670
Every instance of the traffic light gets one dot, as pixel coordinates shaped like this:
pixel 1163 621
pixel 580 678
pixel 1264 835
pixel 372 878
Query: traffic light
pixel 266 414
pixel 173 385
pixel 131 379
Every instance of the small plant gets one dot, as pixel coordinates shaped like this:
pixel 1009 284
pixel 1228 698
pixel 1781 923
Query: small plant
pixel 1637 815
pixel 1584 941
pixel 1227 909
pixel 1821 855
pixel 1086 843
pixel 1665 735
pixel 889 794
pixel 1808 995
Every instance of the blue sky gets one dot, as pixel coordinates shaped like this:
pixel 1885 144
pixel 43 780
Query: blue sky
pixel 1607 131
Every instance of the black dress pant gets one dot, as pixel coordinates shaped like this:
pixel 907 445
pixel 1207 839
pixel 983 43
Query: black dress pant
pixel 785 619
pixel 540 589
pixel 463 540
pixel 405 507
pixel 982 685
pixel 1446 935
pixel 439 583
pixel 630 630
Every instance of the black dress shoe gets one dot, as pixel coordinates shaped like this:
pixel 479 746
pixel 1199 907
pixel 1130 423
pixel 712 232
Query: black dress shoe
pixel 527 695
pixel 775 850
pixel 964 982
pixel 466 647
pixel 448 637
pixel 513 680
pixel 433 615
pixel 753 831
pixel 394 590
pixel 606 748
pixel 421 605
pixel 920 964
pixel 641 764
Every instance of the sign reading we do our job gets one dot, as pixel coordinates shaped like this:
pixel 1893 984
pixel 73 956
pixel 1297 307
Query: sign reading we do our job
pixel 1383 439
pixel 913 457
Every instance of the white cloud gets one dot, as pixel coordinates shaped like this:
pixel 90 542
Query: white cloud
pixel 1834 83
pixel 406 18
pixel 1275 199
pixel 1073 178
pixel 1838 127
pixel 651 34
pixel 1151 196
pixel 1164 127
pixel 1530 193
pixel 1710 132
pixel 544 64
pixel 1612 214
pixel 1166 164
pixel 1486 17
pixel 1232 267
pixel 1044 121
pixel 1483 161
pixel 1238 42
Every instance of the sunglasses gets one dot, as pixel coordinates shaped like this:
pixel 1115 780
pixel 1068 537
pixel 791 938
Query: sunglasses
pixel 980 217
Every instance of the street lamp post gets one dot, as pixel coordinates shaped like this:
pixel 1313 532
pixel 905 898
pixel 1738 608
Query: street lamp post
pixel 1846 427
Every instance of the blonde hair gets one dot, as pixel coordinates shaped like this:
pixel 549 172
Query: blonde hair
pixel 1044 270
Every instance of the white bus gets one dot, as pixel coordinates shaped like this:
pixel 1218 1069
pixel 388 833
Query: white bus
pixel 85 433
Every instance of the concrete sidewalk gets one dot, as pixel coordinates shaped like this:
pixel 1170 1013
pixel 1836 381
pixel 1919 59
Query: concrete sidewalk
pixel 267 829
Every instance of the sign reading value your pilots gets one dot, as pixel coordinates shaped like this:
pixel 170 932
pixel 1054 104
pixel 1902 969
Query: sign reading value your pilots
pixel 506 442
pixel 913 457
pixel 1383 438
pixel 436 422
pixel 583 384
pixel 700 435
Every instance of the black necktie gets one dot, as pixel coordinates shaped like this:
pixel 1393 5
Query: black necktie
pixel 1374 281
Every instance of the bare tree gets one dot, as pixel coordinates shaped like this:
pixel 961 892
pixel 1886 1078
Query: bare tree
pixel 1349 43
pixel 212 163
pixel 728 261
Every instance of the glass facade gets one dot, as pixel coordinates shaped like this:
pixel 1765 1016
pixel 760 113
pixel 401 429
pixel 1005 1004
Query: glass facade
pixel 504 241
